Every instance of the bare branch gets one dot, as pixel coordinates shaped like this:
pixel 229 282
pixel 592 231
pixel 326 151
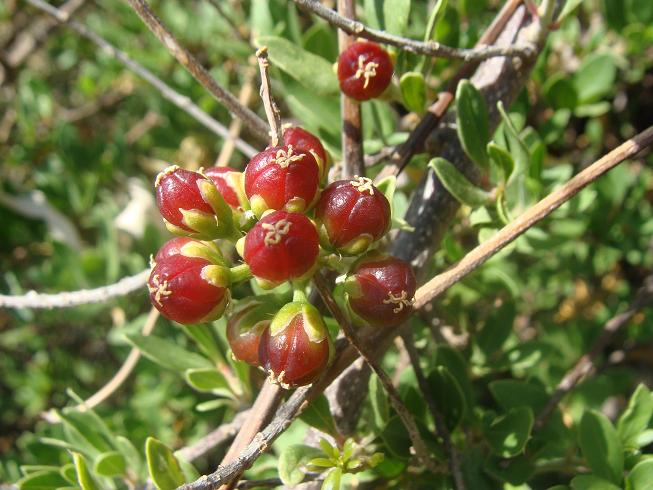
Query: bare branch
pixel 68 299
pixel 430 48
pixel 271 109
pixel 404 414
pixel 188 61
pixel 213 439
pixel 440 283
pixel 586 363
pixel 167 92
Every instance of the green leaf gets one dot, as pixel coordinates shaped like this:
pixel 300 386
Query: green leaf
pixel 379 401
pixel 518 148
pixel 260 18
pixel 208 380
pixel 458 185
pixel 560 92
pixel 435 15
pixel 509 433
pixel 332 481
pixel 396 13
pixel 472 122
pixel 203 336
pixel 636 417
pixel 163 467
pixel 512 393
pixel 84 477
pixel 592 482
pixel 167 353
pixel 413 91
pixel 42 480
pixel 502 159
pixel 310 70
pixel 569 7
pixel 524 356
pixel 330 450
pixel 601 447
pixel 110 464
pixel 595 78
pixel 131 454
pixel 641 476
pixel 318 415
pixel 387 186
pixel 374 13
pixel 448 395
pixel 291 462
pixel 497 329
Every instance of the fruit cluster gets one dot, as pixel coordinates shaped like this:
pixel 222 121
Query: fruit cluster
pixel 284 224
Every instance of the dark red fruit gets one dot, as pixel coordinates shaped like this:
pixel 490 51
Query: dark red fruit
pixel 191 205
pixel 296 347
pixel 306 142
pixel 280 247
pixel 281 178
pixel 229 183
pixel 364 70
pixel 246 325
pixel 380 290
pixel 352 214
pixel 189 289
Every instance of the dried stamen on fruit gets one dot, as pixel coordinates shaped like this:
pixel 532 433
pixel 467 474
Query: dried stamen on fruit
pixel 159 289
pixel 401 300
pixel 366 70
pixel 276 231
pixel 363 184
pixel 163 173
pixel 284 158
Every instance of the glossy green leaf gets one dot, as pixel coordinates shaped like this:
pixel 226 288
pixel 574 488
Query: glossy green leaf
pixel 509 433
pixel 42 480
pixel 312 71
pixel 448 395
pixel 458 185
pixel 292 461
pixel 595 77
pixel 413 91
pixel 84 478
pixel 208 380
pixel 318 415
pixel 636 417
pixel 204 337
pixel 472 122
pixel 524 356
pixel 110 464
pixel 168 354
pixel 601 447
pixel 502 159
pixel 592 482
pixel 641 476
pixel 379 401
pixel 163 467
pixel 332 481
pixel 396 13
pixel 513 393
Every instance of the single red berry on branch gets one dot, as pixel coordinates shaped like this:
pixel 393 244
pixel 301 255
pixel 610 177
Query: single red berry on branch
pixel 191 205
pixel 281 178
pixel 364 70
pixel 306 142
pixel 380 290
pixel 246 325
pixel 352 214
pixel 296 348
pixel 280 247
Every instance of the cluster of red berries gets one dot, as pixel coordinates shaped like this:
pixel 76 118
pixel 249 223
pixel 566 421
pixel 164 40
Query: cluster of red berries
pixel 281 221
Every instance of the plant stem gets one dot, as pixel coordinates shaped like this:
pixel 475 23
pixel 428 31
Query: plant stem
pixel 271 109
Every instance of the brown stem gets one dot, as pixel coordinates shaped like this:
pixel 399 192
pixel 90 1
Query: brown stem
pixel 396 401
pixel 271 109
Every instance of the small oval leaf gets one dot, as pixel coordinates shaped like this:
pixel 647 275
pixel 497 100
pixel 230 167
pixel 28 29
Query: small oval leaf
pixel 472 122
pixel 601 446
pixel 458 185
pixel 110 464
pixel 162 465
pixel 413 91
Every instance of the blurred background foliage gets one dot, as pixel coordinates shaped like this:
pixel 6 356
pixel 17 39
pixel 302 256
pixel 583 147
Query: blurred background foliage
pixel 81 139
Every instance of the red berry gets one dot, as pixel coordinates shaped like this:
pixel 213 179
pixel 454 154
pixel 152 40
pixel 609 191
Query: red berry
pixel 229 184
pixel 280 247
pixel 380 290
pixel 364 70
pixel 191 205
pixel 307 142
pixel 281 178
pixel 296 348
pixel 353 213
pixel 189 289
pixel 246 325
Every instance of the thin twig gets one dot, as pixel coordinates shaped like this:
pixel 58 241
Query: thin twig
pixel 68 299
pixel 166 91
pixel 213 439
pixel 236 125
pixel 402 411
pixel 217 4
pixel 586 363
pixel 352 121
pixel 188 61
pixel 440 424
pixel 430 48
pixel 271 109
pixel 440 283
pixel 118 379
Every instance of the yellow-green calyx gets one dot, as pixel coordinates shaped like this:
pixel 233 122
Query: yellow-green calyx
pixel 204 250
pixel 311 320
pixel 216 275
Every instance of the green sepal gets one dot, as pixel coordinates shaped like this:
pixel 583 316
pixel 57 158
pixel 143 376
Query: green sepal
pixel 258 205
pixel 261 311
pixel 223 212
pixel 313 323
pixel 216 275
pixel 204 250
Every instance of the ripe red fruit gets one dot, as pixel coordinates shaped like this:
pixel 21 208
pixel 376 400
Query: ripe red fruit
pixel 306 142
pixel 229 183
pixel 191 205
pixel 280 247
pixel 281 178
pixel 380 290
pixel 296 347
pixel 246 325
pixel 364 70
pixel 189 289
pixel 352 214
